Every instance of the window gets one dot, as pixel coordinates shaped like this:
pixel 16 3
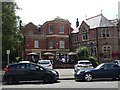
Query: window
pixel 84 34
pixel 95 51
pixel 50 44
pixel 30 33
pixel 107 52
pixel 62 44
pixel 61 29
pixel 105 33
pixel 36 44
pixel 51 29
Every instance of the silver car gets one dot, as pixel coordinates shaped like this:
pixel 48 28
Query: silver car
pixel 45 63
pixel 82 64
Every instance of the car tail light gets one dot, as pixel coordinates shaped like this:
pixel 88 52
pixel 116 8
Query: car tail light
pixel 6 69
pixel 49 65
pixel 79 65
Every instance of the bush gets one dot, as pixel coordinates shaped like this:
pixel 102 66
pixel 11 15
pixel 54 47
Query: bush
pixel 93 61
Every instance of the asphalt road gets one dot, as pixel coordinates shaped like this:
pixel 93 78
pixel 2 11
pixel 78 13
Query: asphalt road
pixel 66 84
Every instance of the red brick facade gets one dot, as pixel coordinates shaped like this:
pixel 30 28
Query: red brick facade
pixel 56 41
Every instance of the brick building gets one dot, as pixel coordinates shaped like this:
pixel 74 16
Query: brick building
pixel 101 36
pixel 51 37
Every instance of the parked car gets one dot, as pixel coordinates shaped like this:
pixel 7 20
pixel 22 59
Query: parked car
pixel 45 63
pixel 104 70
pixel 117 62
pixel 82 64
pixel 28 72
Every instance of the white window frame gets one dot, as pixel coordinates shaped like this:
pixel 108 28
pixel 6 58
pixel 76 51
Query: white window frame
pixel 62 44
pixel 51 29
pixel 61 29
pixel 36 43
pixel 107 52
pixel 50 44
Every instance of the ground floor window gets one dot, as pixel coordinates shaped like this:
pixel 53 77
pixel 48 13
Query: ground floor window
pixel 107 52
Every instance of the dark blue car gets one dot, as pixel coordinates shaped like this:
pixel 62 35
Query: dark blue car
pixel 104 70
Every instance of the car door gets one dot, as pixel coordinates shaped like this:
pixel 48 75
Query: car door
pixel 102 72
pixel 36 72
pixel 108 71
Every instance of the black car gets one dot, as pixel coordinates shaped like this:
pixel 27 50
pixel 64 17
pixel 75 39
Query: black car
pixel 104 70
pixel 28 72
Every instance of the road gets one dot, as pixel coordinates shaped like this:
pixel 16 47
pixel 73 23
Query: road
pixel 66 84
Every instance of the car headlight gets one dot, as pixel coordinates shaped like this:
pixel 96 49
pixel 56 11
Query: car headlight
pixel 80 71
pixel 54 72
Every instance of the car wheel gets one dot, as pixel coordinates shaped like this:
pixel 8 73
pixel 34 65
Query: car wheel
pixel 88 77
pixel 119 76
pixel 47 79
pixel 10 80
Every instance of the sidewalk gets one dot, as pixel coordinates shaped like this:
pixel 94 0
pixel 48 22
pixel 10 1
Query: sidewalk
pixel 65 73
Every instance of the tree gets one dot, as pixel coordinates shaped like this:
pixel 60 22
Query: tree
pixel 82 52
pixel 11 38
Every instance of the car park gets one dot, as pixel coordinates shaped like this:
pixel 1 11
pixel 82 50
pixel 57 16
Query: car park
pixel 28 72
pixel 104 70
pixel 45 63
pixel 82 64
pixel 117 62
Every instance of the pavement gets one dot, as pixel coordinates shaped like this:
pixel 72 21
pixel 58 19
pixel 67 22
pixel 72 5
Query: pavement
pixel 65 74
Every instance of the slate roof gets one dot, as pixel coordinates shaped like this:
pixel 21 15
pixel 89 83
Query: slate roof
pixel 99 21
pixel 75 30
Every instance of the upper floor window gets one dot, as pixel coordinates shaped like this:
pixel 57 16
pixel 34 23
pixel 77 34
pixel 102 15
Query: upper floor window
pixel 30 33
pixel 51 29
pixel 107 52
pixel 36 44
pixel 50 44
pixel 105 33
pixel 61 29
pixel 84 34
pixel 62 44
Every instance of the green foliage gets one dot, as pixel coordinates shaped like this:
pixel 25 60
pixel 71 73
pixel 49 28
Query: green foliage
pixel 93 61
pixel 82 52
pixel 11 38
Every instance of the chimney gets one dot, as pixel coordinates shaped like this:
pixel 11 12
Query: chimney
pixel 77 23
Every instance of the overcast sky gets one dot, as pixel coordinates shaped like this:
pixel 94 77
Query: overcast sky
pixel 40 11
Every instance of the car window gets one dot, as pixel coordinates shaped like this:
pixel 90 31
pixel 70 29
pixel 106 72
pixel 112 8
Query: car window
pixel 11 67
pixel 108 66
pixel 32 67
pixel 44 62
pixel 84 63
pixel 21 66
pixel 115 66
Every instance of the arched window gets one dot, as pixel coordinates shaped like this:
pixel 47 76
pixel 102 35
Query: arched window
pixel 107 49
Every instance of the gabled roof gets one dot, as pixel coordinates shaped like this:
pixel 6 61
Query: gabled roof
pixel 75 30
pixel 59 19
pixel 99 21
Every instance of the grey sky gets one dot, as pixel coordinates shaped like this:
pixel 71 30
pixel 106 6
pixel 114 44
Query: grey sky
pixel 39 11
